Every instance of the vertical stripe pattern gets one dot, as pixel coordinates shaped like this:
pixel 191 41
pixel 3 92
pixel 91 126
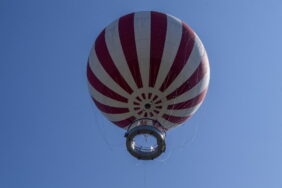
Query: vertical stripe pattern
pixel 158 34
pixel 126 35
pixel 148 64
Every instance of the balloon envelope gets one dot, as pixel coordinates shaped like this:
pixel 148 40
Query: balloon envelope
pixel 148 64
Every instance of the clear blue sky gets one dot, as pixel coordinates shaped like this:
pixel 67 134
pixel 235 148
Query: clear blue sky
pixel 52 136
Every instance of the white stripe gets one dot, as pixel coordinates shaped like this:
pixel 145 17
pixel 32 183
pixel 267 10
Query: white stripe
pixel 142 32
pixel 185 112
pixel 180 113
pixel 104 99
pixel 166 124
pixel 117 117
pixel 101 74
pixel 197 54
pixel 116 52
pixel 172 42
pixel 194 92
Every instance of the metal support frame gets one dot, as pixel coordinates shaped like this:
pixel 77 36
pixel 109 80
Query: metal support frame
pixel 145 126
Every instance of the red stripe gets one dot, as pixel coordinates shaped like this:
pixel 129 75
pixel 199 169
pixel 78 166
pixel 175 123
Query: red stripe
pixel 127 39
pixel 195 78
pixel 99 86
pixel 124 123
pixel 155 97
pixel 138 98
pixel 108 64
pixel 158 102
pixel 175 119
pixel 183 53
pixel 158 35
pixel 189 103
pixel 110 109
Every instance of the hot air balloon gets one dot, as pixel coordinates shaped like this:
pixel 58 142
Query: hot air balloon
pixel 148 72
